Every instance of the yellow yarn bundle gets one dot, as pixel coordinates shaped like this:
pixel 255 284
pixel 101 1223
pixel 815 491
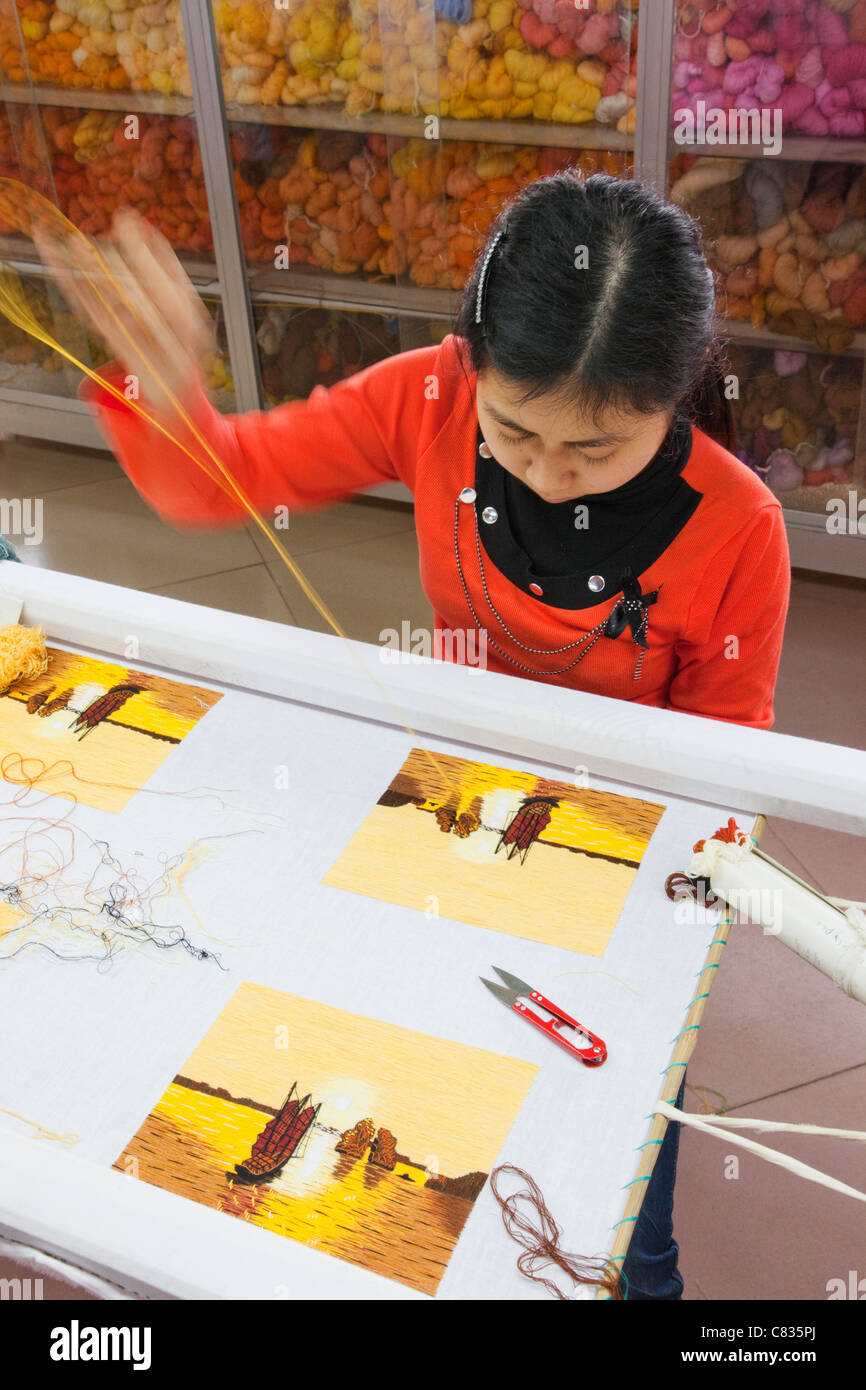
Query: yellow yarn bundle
pixel 22 653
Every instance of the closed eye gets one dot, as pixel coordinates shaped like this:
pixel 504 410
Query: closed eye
pixel 513 438
pixel 588 458
pixel 522 437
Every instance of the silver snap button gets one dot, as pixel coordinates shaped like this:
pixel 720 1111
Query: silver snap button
pixel 596 583
pixel 485 451
pixel 490 514
pixel 468 494
pixel 536 589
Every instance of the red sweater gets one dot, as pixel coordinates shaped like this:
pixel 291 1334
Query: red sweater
pixel 715 634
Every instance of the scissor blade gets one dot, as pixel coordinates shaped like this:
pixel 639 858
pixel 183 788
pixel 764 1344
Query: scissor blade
pixel 505 996
pixel 519 986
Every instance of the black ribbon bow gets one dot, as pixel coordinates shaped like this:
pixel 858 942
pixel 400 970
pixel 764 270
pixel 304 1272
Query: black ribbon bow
pixel 631 610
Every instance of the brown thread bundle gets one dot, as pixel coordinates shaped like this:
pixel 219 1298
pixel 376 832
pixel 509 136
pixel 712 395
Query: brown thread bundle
pixel 541 1243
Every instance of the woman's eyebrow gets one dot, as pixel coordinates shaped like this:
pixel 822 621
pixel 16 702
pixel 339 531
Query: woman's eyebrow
pixel 504 420
pixel 579 443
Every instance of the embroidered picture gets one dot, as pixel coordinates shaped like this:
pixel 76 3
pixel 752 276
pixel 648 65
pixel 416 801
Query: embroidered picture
pixel 512 851
pixel 93 730
pixel 356 1137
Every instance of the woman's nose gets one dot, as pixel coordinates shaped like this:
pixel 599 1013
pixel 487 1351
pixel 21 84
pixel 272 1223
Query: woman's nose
pixel 547 475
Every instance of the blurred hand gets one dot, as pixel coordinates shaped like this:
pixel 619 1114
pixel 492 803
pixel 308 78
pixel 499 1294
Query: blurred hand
pixel 152 320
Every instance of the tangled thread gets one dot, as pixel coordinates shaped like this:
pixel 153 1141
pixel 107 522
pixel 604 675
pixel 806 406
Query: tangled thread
pixel 540 1241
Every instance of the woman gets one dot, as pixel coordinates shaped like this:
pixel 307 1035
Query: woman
pixel 568 452
pixel 548 444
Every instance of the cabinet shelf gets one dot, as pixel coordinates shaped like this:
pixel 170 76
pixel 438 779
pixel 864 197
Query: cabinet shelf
pixel 806 149
pixel 750 336
pixel 549 133
pixel 303 285
pixel 19 254
pixel 90 99
pixel 505 132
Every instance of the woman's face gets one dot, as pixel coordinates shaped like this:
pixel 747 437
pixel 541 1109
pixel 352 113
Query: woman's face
pixel 558 452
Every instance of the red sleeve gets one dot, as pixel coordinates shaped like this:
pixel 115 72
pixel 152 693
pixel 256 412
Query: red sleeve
pixel 729 670
pixel 302 455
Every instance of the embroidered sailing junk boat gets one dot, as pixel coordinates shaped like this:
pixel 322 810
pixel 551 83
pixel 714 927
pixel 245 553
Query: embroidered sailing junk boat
pixel 523 830
pixel 280 1139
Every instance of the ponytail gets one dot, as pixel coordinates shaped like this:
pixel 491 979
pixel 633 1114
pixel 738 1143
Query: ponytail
pixel 707 403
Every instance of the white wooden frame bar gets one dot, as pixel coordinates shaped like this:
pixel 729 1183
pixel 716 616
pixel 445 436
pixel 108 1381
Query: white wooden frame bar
pixel 702 759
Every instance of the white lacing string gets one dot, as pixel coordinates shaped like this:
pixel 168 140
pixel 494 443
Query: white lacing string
pixel 720 1126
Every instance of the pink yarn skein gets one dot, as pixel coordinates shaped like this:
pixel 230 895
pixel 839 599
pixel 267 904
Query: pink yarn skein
pixel 794 55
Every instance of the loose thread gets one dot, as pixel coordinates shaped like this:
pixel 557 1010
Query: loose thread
pixel 42 1132
pixel 55 914
pixel 541 1242
pixel 22 654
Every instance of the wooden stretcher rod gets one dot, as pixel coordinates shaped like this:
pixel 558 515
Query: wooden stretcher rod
pixel 682 1054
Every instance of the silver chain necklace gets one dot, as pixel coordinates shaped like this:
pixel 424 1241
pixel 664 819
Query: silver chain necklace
pixel 590 638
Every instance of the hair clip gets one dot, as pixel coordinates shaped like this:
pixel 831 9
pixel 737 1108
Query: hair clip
pixel 491 248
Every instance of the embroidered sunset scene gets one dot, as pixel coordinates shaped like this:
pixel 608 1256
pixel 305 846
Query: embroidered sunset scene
pixel 512 851
pixel 358 1138
pixel 94 730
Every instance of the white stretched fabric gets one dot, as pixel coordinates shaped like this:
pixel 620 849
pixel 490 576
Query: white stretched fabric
pixel 791 1165
pixel 92 1052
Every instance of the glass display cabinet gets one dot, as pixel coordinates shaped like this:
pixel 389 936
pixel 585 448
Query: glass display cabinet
pixel 328 169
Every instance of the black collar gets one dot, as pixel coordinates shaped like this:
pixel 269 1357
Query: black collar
pixel 539 547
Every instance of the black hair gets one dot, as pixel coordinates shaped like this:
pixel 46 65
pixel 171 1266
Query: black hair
pixel 634 329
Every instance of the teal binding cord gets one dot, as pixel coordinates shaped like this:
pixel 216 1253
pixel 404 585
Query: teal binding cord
pixel 687 1027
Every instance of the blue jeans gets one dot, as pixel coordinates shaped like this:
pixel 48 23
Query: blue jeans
pixel 650 1267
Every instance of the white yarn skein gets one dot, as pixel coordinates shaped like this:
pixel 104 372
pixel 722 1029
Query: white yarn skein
pixel 828 933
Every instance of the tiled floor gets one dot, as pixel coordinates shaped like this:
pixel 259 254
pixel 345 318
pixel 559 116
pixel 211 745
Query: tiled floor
pixel 778 1039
